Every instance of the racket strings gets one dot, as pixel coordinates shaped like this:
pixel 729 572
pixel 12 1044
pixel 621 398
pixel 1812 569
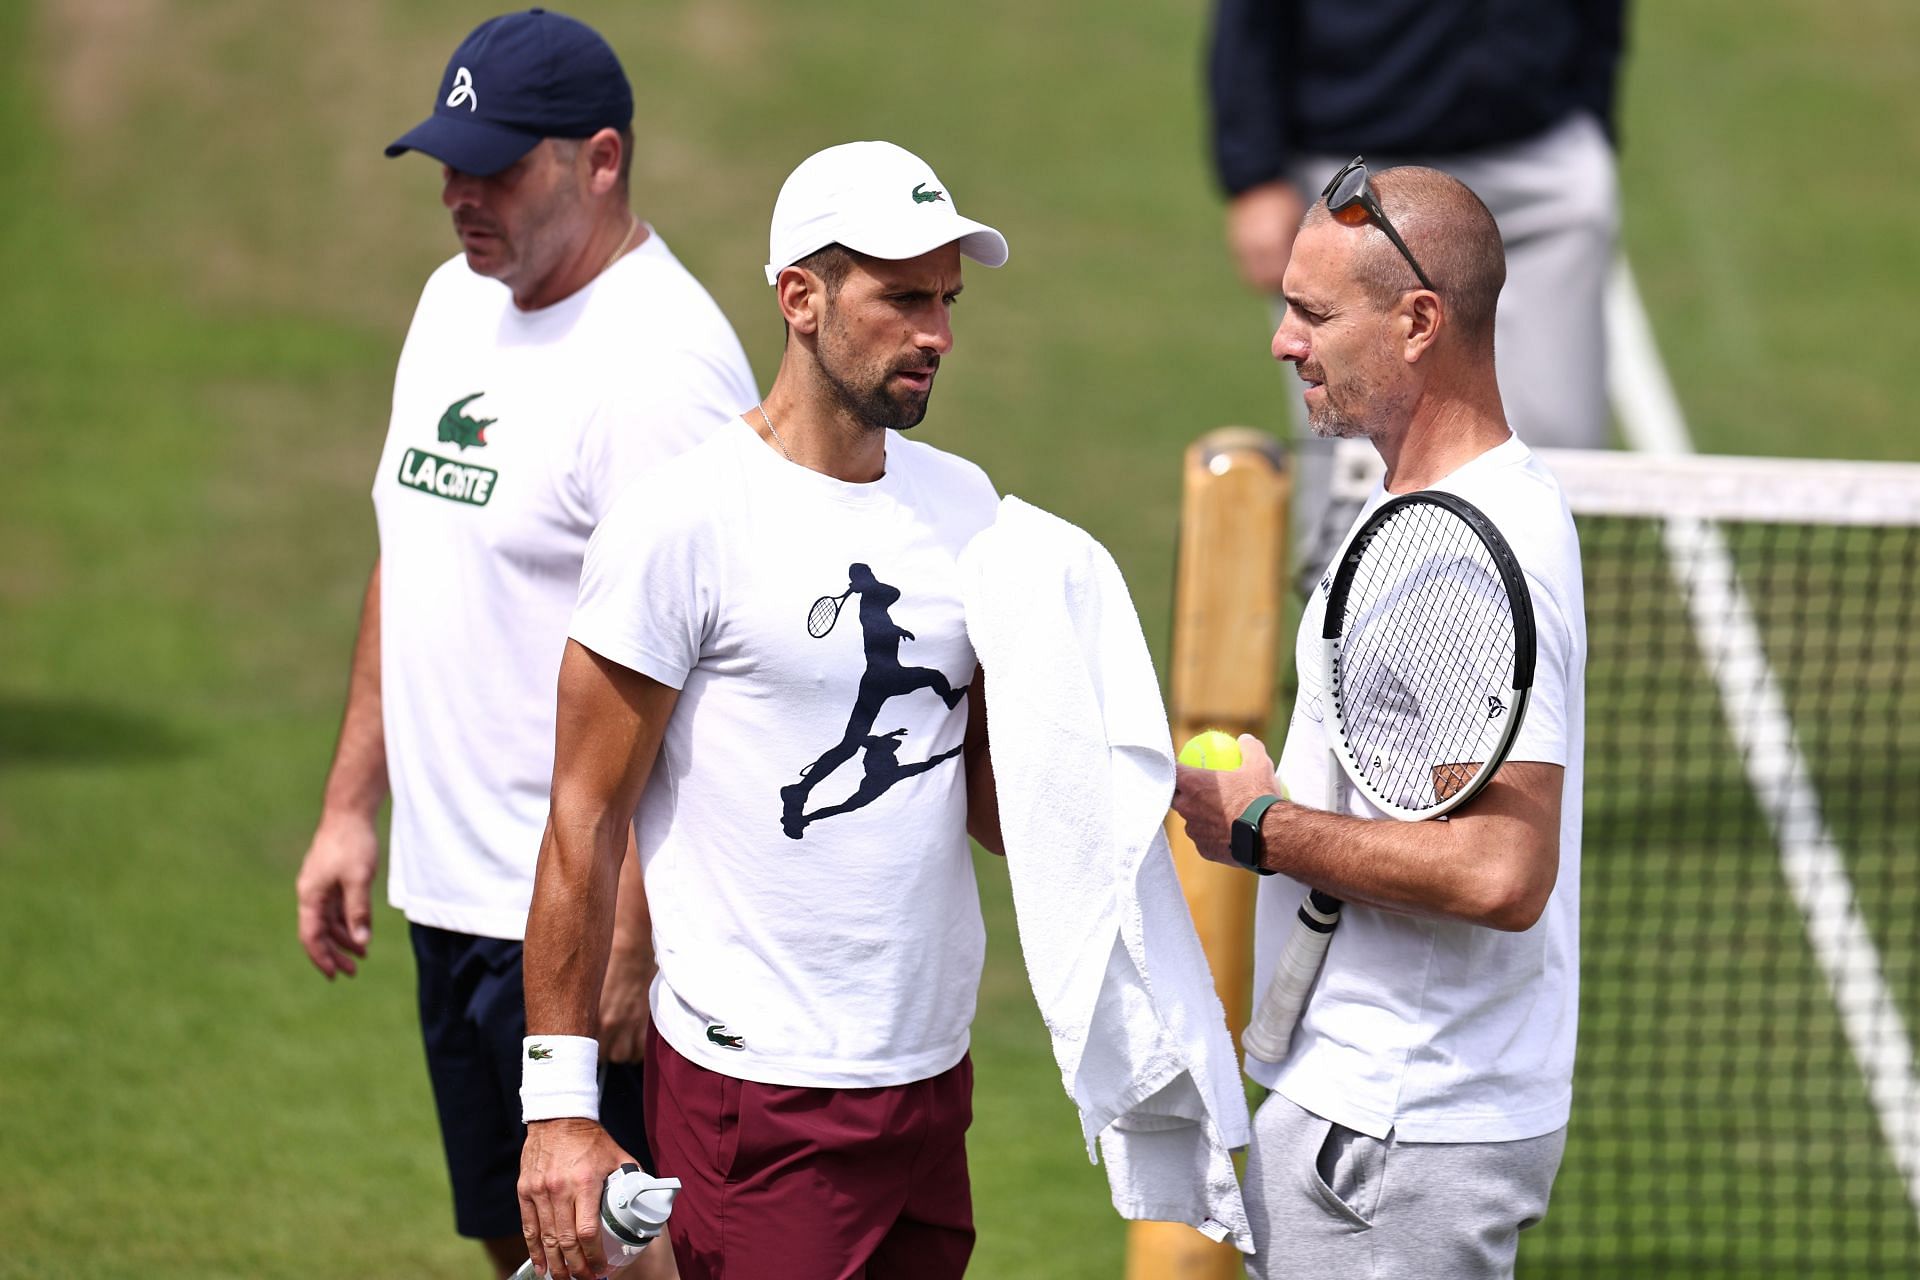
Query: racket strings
pixel 1427 657
pixel 825 612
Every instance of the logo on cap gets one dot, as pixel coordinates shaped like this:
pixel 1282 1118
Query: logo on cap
pixel 463 90
pixel 923 196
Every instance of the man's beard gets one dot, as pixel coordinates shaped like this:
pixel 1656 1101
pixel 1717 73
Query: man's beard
pixel 1327 421
pixel 1360 414
pixel 869 395
pixel 538 237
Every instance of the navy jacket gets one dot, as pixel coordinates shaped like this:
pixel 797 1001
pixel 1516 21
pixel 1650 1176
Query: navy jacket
pixel 1400 77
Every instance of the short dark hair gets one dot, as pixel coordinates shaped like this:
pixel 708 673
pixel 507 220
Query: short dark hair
pixel 1450 231
pixel 832 264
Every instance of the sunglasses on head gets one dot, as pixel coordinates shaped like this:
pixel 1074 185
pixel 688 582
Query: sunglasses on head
pixel 1351 201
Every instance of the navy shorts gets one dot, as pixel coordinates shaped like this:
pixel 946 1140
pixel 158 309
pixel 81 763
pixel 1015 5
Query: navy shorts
pixel 473 1018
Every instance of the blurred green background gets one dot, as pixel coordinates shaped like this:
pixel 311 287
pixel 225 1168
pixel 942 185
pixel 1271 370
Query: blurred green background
pixel 208 267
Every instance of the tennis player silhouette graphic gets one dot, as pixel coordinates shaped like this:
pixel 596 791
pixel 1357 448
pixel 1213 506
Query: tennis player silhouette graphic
pixel 884 678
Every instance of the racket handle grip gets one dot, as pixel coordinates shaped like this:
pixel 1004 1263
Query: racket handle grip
pixel 1270 1032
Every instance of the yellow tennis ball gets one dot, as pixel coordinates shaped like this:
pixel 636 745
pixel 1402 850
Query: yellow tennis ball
pixel 1211 750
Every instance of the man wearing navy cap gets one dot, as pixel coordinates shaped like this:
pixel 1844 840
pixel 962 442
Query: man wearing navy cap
pixel 562 354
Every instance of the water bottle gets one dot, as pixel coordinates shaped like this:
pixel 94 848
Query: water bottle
pixel 633 1210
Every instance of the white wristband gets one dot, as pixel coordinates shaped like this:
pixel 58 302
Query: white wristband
pixel 559 1077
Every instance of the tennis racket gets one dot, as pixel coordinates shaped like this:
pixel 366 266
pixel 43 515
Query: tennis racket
pixel 1429 646
pixel 825 612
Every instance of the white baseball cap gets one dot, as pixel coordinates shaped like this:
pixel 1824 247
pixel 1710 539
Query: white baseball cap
pixel 874 198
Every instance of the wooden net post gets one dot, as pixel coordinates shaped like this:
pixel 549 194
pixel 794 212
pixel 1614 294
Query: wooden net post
pixel 1229 597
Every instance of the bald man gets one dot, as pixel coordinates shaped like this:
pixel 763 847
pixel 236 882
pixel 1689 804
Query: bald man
pixel 1418 1119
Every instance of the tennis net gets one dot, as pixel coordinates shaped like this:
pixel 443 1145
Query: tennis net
pixel 1745 1092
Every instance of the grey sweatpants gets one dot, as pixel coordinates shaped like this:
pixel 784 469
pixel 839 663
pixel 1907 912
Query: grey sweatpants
pixel 1331 1204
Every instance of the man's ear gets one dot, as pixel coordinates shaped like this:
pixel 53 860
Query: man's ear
pixel 601 155
pixel 1420 316
pixel 803 299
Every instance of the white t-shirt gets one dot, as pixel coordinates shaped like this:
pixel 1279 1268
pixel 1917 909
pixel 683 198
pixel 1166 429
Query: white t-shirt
pixel 1439 1030
pixel 832 937
pixel 512 433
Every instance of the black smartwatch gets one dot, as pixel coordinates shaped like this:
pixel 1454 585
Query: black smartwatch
pixel 1245 842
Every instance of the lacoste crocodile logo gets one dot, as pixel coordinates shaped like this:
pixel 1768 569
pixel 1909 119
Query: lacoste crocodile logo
pixel 539 1052
pixel 462 430
pixel 923 196
pixel 717 1032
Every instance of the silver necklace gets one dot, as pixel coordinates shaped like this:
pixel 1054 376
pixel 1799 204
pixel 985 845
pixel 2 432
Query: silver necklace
pixel 776 435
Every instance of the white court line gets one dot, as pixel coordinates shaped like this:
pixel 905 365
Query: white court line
pixel 1762 729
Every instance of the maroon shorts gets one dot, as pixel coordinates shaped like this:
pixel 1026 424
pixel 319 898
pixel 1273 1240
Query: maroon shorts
pixel 789 1183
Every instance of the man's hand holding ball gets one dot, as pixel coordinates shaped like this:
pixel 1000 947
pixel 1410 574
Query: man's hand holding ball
pixel 1216 779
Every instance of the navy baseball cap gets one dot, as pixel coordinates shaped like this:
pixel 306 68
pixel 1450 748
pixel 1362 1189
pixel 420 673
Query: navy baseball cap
pixel 517 79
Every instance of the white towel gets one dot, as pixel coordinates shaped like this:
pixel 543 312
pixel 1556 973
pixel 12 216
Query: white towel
pixel 1083 760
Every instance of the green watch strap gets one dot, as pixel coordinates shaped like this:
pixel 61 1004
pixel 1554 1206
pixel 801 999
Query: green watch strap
pixel 1245 841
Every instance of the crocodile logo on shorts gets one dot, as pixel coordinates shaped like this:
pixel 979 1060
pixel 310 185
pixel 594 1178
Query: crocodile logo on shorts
pixel 717 1032
pixel 457 427
pixel 539 1052
pixel 922 196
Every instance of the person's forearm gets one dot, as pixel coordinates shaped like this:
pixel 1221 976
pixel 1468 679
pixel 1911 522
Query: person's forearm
pixel 632 945
pixel 357 779
pixel 983 798
pixel 608 723
pixel 1247 93
pixel 1400 866
pixel 570 922
pixel 1493 865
